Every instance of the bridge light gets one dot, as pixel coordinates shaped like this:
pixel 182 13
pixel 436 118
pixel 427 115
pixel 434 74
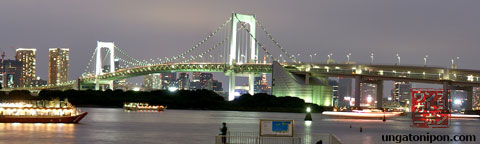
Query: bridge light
pixel 470 78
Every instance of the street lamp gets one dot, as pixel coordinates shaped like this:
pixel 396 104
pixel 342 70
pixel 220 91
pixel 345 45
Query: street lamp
pixel 398 57
pixel 348 58
pixel 425 60
pixel 371 58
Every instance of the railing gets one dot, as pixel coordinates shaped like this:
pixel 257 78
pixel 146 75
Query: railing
pixel 256 140
pixel 245 137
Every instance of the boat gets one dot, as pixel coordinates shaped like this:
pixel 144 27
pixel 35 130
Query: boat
pixel 364 114
pixel 135 106
pixel 39 111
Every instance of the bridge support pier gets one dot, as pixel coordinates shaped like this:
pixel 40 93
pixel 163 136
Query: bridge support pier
pixel 231 87
pixel 251 80
pixel 469 103
pixel 446 95
pixel 379 94
pixel 357 93
pixel 97 85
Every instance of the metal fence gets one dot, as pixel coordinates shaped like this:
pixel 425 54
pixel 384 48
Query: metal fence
pixel 244 137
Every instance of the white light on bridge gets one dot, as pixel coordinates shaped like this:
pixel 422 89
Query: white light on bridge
pixel 470 78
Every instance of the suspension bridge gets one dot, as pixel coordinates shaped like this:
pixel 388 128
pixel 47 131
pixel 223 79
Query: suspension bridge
pixel 241 52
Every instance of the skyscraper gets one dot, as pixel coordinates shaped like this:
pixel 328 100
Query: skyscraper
pixel 27 57
pixel 183 81
pixel 58 65
pixel 11 73
pixel 169 80
pixel 153 81
pixel 196 83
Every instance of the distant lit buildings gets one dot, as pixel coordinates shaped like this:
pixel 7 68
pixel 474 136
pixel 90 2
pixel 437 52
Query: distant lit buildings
pixel 401 92
pixel 169 80
pixel 334 85
pixel 58 65
pixel 476 98
pixel 183 81
pixel 11 73
pixel 39 82
pixel 195 83
pixel 205 78
pixel 344 91
pixel 153 82
pixel 260 84
pixel 27 57
pixel 368 94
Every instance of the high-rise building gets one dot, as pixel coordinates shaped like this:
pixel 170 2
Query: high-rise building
pixel 401 92
pixel 153 81
pixel 169 80
pixel 260 84
pixel 27 57
pixel 183 81
pixel 196 83
pixel 344 91
pixel 204 78
pixel 11 73
pixel 334 85
pixel 368 94
pixel 58 65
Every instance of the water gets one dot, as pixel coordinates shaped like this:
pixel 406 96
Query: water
pixel 113 125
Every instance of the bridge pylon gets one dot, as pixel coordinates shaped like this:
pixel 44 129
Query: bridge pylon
pixel 110 46
pixel 251 52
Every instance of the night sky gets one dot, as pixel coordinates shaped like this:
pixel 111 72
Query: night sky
pixel 152 28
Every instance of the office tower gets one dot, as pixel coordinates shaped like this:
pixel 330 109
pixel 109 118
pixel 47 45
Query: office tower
pixel 204 78
pixel 344 91
pixel 334 85
pixel 153 81
pixel 58 65
pixel 27 57
pixel 196 83
pixel 11 73
pixel 169 80
pixel 183 81
pixel 401 92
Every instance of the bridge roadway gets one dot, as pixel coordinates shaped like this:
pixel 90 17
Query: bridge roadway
pixel 363 73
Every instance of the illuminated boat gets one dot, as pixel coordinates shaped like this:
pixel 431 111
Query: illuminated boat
pixel 362 114
pixel 40 111
pixel 134 106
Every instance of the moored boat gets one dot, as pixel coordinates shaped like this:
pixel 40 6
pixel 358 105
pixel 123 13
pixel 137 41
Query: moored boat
pixel 135 106
pixel 39 111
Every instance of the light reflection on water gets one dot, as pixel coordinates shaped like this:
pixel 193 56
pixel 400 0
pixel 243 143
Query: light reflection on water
pixel 106 125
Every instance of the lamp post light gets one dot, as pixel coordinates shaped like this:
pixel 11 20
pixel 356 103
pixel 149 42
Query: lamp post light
pixel 398 58
pixel 348 58
pixel 298 56
pixel 371 58
pixel 425 60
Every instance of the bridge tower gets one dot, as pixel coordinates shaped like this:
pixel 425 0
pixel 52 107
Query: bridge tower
pixel 235 58
pixel 110 46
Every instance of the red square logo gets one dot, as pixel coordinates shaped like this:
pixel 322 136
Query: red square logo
pixel 428 108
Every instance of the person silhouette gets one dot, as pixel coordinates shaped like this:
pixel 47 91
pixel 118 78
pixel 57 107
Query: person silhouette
pixel 223 133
